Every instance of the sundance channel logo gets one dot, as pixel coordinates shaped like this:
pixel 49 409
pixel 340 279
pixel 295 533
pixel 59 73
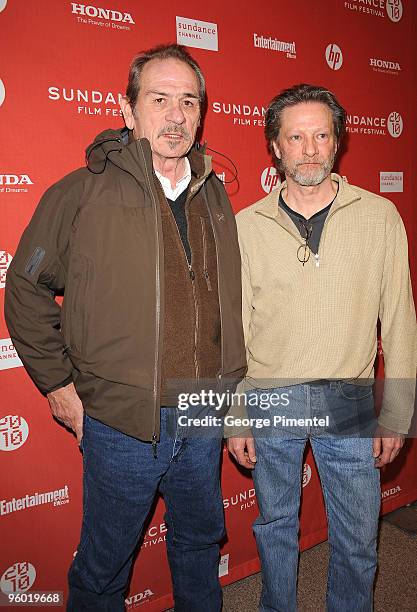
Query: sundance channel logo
pixel 369 125
pixel 92 102
pixel 391 9
pixel 18 578
pixel 14 432
pixel 8 355
pixel 105 18
pixel 197 34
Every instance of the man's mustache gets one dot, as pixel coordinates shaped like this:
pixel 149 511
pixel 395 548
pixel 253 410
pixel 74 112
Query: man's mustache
pixel 174 129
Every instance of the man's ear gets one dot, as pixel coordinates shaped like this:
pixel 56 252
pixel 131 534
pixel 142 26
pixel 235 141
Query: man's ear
pixel 127 113
pixel 276 150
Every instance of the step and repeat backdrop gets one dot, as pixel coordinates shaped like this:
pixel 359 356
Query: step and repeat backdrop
pixel 63 67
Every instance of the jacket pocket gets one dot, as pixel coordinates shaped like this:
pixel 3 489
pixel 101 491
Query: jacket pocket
pixel 78 302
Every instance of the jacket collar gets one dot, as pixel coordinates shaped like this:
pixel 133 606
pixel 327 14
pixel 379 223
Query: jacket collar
pixel 135 156
pixel 268 207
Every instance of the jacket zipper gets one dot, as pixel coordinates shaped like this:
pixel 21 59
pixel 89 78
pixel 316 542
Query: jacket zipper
pixel 158 305
pixel 205 269
pixel 218 282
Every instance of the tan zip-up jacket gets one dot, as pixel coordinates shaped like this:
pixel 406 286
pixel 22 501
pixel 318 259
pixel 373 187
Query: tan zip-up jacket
pixel 97 236
pixel 319 321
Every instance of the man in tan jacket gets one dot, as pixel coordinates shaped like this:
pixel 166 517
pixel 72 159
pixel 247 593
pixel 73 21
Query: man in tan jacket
pixel 322 261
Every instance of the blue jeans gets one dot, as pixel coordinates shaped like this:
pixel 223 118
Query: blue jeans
pixel 350 483
pixel 121 479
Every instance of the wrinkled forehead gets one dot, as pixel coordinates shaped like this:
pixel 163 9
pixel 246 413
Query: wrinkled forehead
pixel 171 74
pixel 306 116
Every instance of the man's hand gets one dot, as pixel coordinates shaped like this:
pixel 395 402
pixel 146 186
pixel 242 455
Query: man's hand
pixel 386 446
pixel 66 406
pixel 237 447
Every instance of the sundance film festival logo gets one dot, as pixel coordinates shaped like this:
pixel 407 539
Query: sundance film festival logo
pixel 393 9
pixel 241 114
pixel 138 599
pixel 270 179
pixel 224 565
pixel 88 102
pixel 5 261
pixel 101 17
pixel 197 34
pixel 306 474
pixel 14 432
pixel 15 183
pixel 395 124
pixel 368 125
pixel 334 56
pixel 242 500
pixel 8 355
pixel 18 578
pixel 156 534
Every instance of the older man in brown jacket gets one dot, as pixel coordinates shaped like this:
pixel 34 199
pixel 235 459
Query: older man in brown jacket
pixel 143 243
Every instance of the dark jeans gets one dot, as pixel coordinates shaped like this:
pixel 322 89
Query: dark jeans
pixel 121 479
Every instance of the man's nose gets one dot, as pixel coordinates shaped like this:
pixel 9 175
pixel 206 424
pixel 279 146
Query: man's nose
pixel 175 112
pixel 310 146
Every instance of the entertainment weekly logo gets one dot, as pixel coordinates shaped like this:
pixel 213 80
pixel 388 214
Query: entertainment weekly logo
pixel 18 578
pixel 8 355
pixel 368 125
pixel 391 182
pixel 245 115
pixel 92 102
pixel 273 44
pixel 5 261
pixel 384 66
pixel 270 179
pixel 197 34
pixel 393 9
pixel 14 432
pixel 105 18
pixel 58 498
pixel 15 183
